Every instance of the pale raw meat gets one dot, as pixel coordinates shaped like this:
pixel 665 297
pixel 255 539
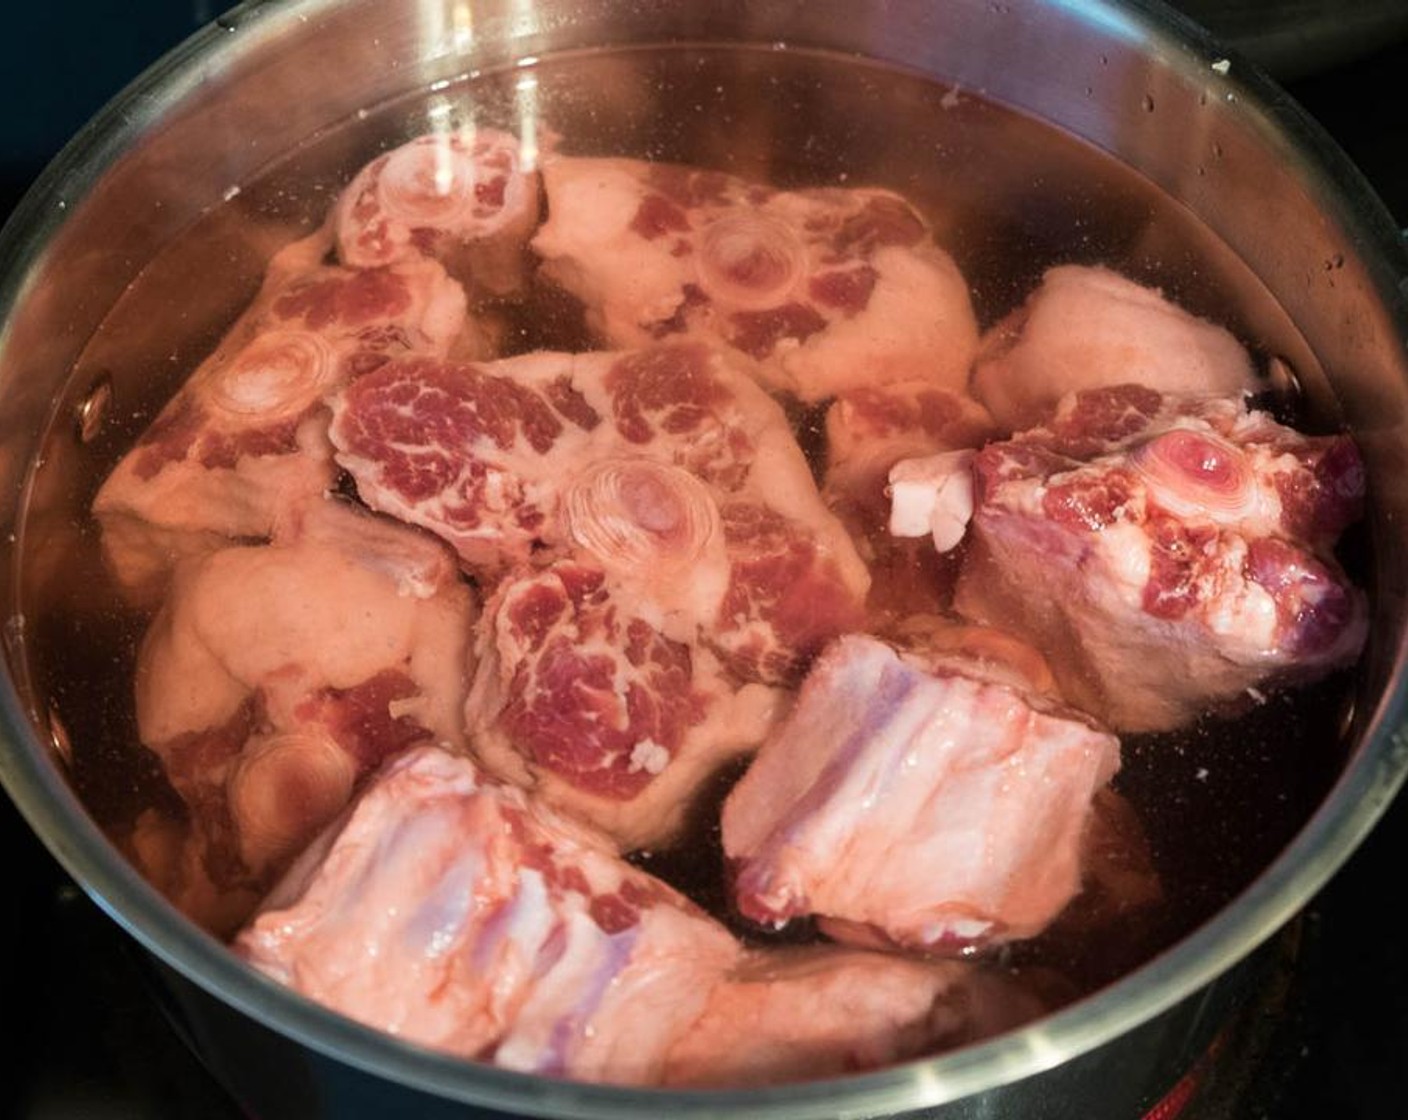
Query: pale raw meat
pixel 1167 553
pixel 868 431
pixel 653 462
pixel 1089 327
pixel 277 676
pixel 801 1014
pixel 468 198
pixel 943 644
pixel 245 438
pixel 928 809
pixel 458 914
pixel 828 289
pixel 581 699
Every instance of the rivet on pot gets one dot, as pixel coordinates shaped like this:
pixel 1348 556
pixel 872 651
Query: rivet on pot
pixel 59 741
pixel 92 410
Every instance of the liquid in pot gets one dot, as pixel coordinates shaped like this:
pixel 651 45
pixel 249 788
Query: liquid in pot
pixel 1006 196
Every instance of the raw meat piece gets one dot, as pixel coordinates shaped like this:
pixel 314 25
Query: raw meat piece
pixel 650 461
pixel 467 198
pixel 868 431
pixel 1166 552
pixel 458 914
pixel 1088 328
pixel 801 1014
pixel 942 644
pixel 245 437
pixel 913 805
pixel 828 289
pixel 581 699
pixel 275 677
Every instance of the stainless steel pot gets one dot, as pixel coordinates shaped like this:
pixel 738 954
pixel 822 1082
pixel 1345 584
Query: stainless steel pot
pixel 138 194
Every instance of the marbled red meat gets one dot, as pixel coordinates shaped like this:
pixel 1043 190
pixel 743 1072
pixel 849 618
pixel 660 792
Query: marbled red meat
pixel 917 802
pixel 1089 327
pixel 458 914
pixel 1169 553
pixel 244 439
pixel 275 677
pixel 581 698
pixel 491 459
pixel 785 598
pixel 468 198
pixel 829 290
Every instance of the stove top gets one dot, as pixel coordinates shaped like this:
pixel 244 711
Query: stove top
pixel 88 1040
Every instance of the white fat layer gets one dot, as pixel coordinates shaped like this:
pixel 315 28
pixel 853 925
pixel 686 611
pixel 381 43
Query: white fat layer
pixel 932 496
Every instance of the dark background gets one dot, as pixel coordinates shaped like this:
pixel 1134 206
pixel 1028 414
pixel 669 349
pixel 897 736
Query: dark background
pixel 84 1039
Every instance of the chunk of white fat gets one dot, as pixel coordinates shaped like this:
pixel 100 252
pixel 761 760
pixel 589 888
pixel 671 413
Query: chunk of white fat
pixel 932 495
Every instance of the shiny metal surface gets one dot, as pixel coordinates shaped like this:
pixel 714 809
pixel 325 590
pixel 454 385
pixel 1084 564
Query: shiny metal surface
pixel 1132 79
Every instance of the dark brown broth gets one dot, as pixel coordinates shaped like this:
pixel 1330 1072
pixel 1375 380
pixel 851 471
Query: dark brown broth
pixel 1008 197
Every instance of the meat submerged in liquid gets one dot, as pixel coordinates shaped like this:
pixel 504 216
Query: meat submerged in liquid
pixel 458 913
pixel 821 1010
pixel 245 438
pixel 1167 552
pixel 828 290
pixel 276 677
pixel 662 580
pixel 1088 327
pixel 491 458
pixel 931 809
pixel 580 698
pixel 868 431
pixel 464 199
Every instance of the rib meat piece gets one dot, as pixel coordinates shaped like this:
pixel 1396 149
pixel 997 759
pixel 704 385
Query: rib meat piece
pixel 244 439
pixel 907 802
pixel 1166 552
pixel 468 198
pixel 1089 328
pixel 652 463
pixel 458 914
pixel 828 289
pixel 581 699
pixel 801 1014
pixel 276 677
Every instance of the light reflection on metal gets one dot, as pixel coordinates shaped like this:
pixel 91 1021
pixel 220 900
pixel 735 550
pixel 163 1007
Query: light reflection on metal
pixel 461 27
pixel 525 99
pixel 441 113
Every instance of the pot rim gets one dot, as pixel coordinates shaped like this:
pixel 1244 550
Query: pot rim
pixel 1353 806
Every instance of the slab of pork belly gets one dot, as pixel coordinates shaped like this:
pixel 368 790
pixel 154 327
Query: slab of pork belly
pixel 468 198
pixel 927 809
pixel 581 699
pixel 654 463
pixel 868 431
pixel 246 436
pixel 1088 327
pixel 828 289
pixel 797 1014
pixel 459 914
pixel 1167 553
pixel 275 677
